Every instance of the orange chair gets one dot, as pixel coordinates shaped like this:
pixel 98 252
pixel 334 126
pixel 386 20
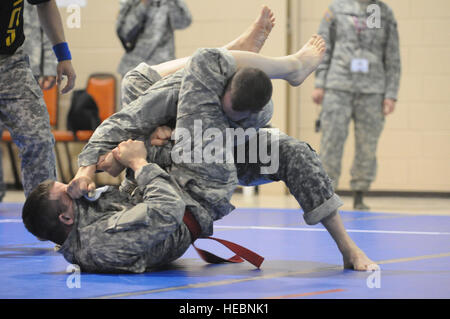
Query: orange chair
pixel 102 88
pixel 51 98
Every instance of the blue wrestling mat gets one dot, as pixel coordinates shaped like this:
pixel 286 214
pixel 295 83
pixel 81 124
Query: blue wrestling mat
pixel 300 261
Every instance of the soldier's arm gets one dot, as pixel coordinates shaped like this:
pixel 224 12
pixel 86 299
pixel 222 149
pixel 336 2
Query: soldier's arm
pixel 137 81
pixel 131 19
pixel 392 60
pixel 327 31
pixel 179 15
pixel 48 64
pixel 52 24
pixel 141 116
pixel 49 61
pixel 137 121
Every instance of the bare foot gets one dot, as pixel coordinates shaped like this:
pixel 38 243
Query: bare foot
pixel 254 37
pixel 307 59
pixel 357 260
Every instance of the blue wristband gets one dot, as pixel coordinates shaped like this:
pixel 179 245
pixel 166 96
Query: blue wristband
pixel 62 51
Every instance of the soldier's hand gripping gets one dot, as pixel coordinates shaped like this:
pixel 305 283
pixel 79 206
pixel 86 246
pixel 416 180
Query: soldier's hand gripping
pixel 132 154
pixel 83 182
pixel 161 136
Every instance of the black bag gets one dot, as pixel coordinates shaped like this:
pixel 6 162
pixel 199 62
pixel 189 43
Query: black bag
pixel 130 43
pixel 83 113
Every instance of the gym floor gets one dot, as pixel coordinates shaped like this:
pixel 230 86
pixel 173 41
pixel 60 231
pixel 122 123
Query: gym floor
pixel 408 237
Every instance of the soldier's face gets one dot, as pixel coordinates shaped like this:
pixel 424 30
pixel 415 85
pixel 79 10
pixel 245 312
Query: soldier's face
pixel 228 108
pixel 59 193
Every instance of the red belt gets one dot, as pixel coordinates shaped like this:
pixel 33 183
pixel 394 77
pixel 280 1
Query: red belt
pixel 241 252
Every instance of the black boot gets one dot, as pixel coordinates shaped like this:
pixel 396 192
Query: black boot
pixel 358 203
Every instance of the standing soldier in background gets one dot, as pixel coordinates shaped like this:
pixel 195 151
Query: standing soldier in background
pixel 146 30
pixel 42 61
pixel 22 108
pixel 358 79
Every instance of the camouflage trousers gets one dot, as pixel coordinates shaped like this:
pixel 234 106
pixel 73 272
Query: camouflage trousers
pixel 294 162
pixel 338 109
pixel 298 166
pixel 24 114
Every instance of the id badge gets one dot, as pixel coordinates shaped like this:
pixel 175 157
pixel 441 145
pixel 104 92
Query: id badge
pixel 360 66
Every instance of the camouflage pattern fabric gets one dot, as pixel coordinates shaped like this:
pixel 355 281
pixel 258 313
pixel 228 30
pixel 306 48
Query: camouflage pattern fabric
pixel 129 233
pixel 151 26
pixel 338 109
pixel 139 226
pixel 41 57
pixel 148 102
pixel 352 31
pixel 24 114
pixel 380 46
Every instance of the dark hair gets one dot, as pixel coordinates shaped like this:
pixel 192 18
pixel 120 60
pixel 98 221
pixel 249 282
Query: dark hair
pixel 251 89
pixel 40 214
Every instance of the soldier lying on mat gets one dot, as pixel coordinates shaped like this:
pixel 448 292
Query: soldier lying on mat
pixel 94 248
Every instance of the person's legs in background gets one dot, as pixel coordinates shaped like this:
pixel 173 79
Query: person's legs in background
pixel 335 118
pixel 369 122
pixel 24 113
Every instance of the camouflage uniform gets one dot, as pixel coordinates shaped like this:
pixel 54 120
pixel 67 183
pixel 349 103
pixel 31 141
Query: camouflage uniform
pixel 129 233
pixel 146 109
pixel 133 229
pixel 24 114
pixel 143 229
pixel 208 186
pixel 356 95
pixel 41 57
pixel 299 166
pixel 152 27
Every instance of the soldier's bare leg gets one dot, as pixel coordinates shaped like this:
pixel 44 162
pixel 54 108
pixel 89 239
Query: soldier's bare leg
pixel 256 35
pixel 294 68
pixel 353 256
pixel 251 40
pixel 299 167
